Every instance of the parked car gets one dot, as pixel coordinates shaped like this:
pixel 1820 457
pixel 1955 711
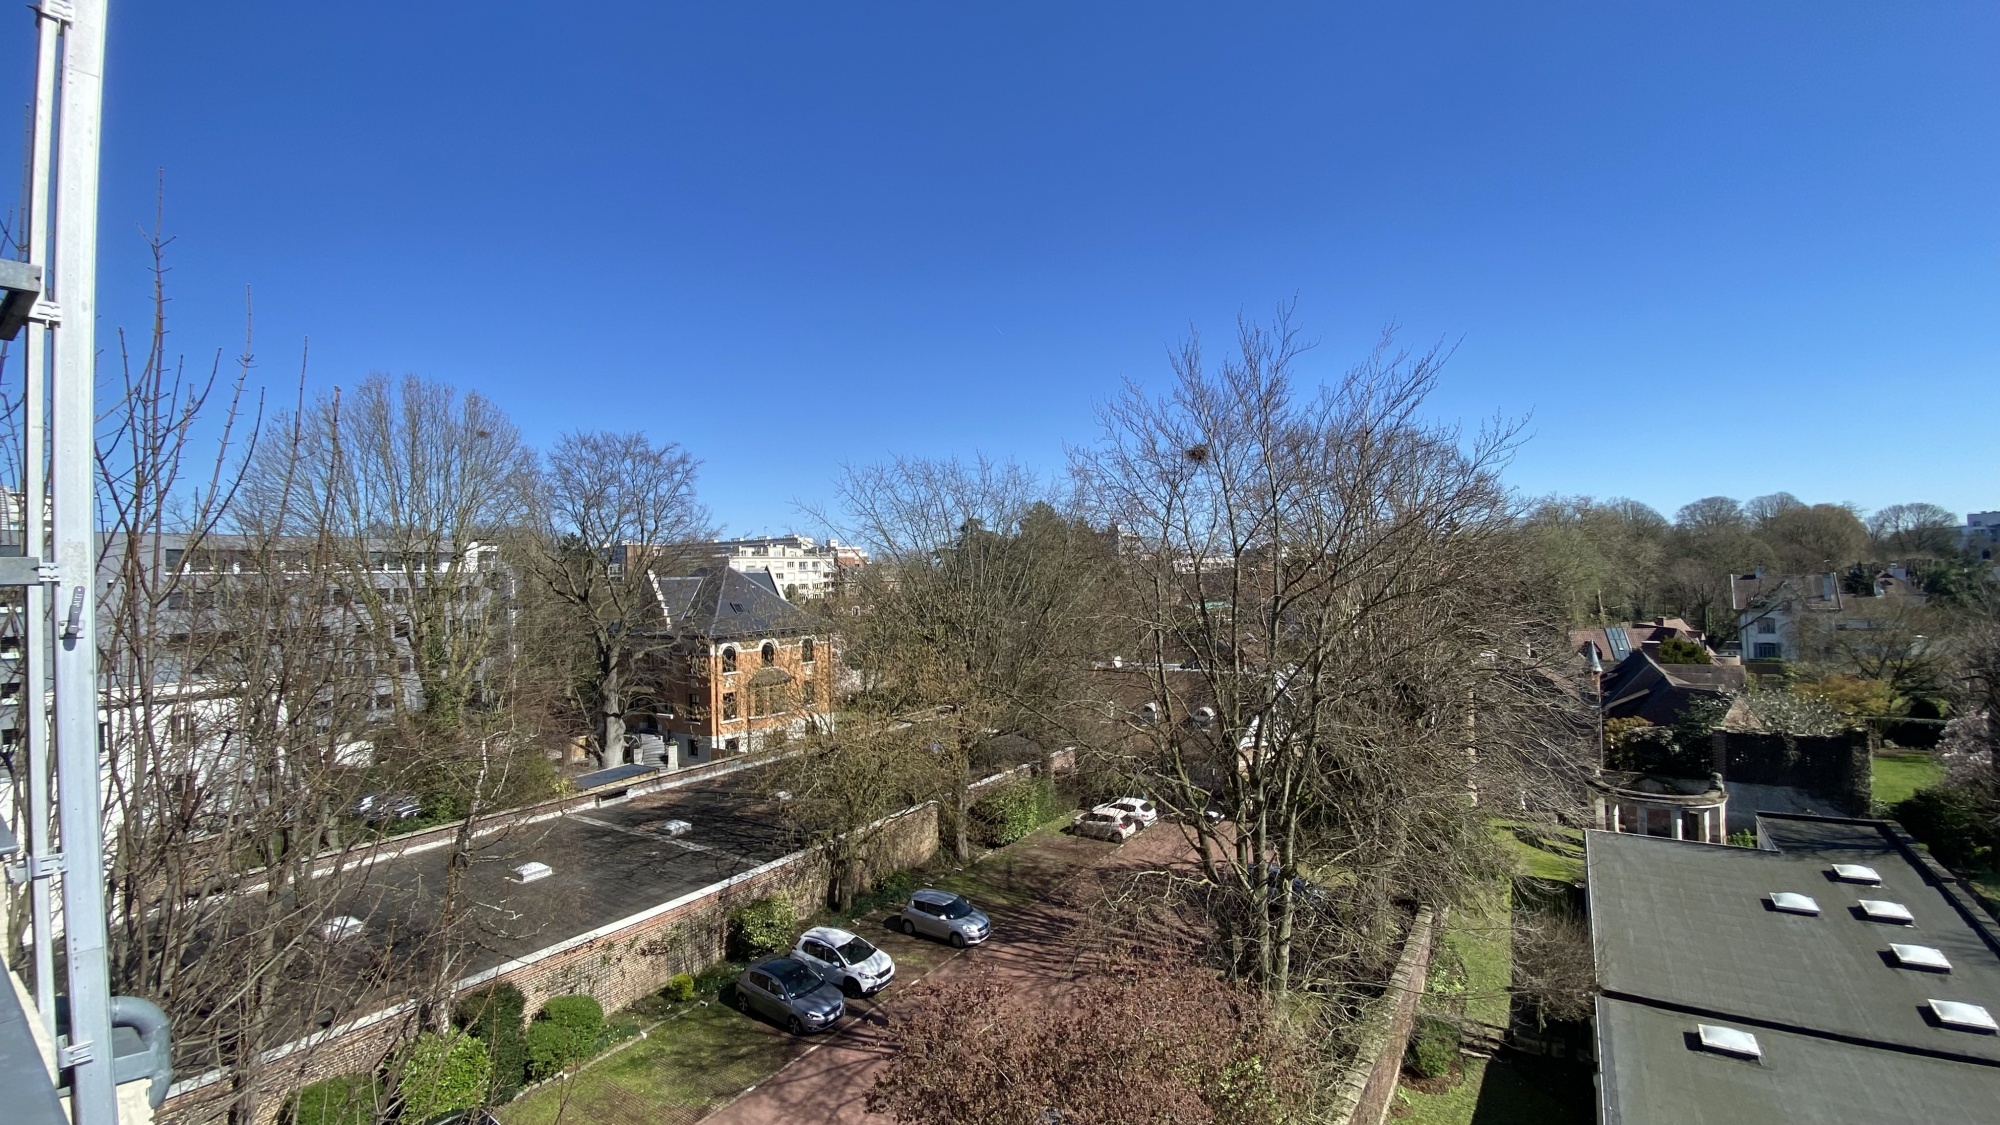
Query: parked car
pixel 787 990
pixel 385 808
pixel 942 914
pixel 846 961
pixel 1138 808
pixel 1104 823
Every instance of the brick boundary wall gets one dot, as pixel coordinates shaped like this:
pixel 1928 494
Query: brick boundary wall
pixel 1366 1089
pixel 617 964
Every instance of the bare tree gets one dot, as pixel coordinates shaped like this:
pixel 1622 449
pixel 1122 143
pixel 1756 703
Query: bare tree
pixel 609 509
pixel 1338 660
pixel 978 612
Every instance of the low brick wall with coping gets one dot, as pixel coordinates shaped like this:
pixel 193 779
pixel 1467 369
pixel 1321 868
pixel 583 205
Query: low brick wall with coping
pixel 1366 1089
pixel 617 964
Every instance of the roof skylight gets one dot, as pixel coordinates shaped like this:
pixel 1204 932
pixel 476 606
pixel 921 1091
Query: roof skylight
pixel 1920 957
pixel 529 872
pixel 1731 1041
pixel 1970 1017
pixel 1856 873
pixel 1792 903
pixel 1879 910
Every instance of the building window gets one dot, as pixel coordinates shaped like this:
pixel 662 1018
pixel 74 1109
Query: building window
pixel 1768 651
pixel 809 696
pixel 694 700
pixel 770 652
pixel 729 745
pixel 180 728
pixel 806 650
pixel 1766 625
pixel 729 659
pixel 728 706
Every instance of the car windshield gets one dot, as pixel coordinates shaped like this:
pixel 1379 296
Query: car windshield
pixel 796 980
pixel 856 951
pixel 957 908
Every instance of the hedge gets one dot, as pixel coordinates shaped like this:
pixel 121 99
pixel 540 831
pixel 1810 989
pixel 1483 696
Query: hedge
pixel 762 929
pixel 494 1015
pixel 567 1030
pixel 347 1099
pixel 1434 1047
pixel 441 1074
pixel 681 988
pixel 1012 811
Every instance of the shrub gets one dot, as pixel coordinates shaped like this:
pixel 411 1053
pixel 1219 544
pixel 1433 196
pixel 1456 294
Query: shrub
pixel 1434 1047
pixel 441 1074
pixel 1950 820
pixel 348 1099
pixel 1012 811
pixel 494 1015
pixel 1675 650
pixel 1743 838
pixel 567 1030
pixel 681 988
pixel 762 929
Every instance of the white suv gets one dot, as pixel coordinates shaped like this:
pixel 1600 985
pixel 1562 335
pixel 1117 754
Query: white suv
pixel 1104 823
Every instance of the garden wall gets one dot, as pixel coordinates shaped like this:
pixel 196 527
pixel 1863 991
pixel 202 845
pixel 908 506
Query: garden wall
pixel 617 964
pixel 1365 1092
pixel 1837 767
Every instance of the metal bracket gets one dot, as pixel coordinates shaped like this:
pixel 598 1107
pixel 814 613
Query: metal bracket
pixel 18 570
pixel 45 866
pixel 59 10
pixel 49 573
pixel 74 1054
pixel 46 312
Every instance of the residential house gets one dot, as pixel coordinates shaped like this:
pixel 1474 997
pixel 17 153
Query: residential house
pixel 738 666
pixel 1771 608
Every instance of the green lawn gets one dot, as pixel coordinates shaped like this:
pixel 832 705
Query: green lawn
pixel 1897 776
pixel 1469 978
pixel 680 1070
pixel 1541 862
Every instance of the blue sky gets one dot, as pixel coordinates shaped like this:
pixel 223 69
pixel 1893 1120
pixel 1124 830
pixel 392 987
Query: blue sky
pixel 1707 248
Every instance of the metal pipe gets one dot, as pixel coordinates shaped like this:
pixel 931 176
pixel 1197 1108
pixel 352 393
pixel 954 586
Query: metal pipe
pixel 32 710
pixel 93 1083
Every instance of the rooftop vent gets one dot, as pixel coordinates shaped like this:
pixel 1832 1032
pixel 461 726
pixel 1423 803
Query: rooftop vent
pixel 1794 903
pixel 344 927
pixel 1970 1017
pixel 529 872
pixel 1856 873
pixel 1730 1041
pixel 1919 957
pixel 1881 911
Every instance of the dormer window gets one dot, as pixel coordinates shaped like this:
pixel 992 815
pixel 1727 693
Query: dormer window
pixel 729 660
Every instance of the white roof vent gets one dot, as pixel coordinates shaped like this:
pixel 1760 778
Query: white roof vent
pixel 529 872
pixel 1730 1041
pixel 1856 873
pixel 1881 911
pixel 1792 903
pixel 1970 1017
pixel 1919 957
pixel 341 928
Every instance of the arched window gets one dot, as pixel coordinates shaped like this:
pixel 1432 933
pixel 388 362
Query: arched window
pixel 770 654
pixel 806 650
pixel 729 659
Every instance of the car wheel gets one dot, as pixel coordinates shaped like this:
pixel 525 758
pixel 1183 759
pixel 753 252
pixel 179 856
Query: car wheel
pixel 957 940
pixel 851 988
pixel 798 1026
pixel 909 927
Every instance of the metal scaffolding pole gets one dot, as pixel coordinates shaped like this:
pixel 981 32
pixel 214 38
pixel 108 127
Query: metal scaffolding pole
pixel 32 708
pixel 88 1054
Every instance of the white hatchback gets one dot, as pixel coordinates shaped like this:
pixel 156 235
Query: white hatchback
pixel 845 960
pixel 1142 811
pixel 1104 823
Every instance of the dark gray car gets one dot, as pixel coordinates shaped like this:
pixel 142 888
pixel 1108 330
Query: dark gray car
pixel 789 992
pixel 942 914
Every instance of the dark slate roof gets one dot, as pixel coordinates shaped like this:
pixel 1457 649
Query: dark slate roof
pixel 1655 1075
pixel 1686 930
pixel 723 603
